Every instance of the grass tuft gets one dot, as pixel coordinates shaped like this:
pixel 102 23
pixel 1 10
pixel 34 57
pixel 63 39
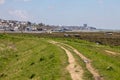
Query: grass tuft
pixel 32 76
pixel 42 59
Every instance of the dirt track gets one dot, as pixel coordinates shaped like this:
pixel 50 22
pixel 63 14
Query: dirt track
pixel 72 62
pixel 110 52
pixel 73 68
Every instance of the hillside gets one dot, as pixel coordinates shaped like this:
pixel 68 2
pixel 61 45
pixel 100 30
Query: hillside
pixel 24 58
pixel 38 57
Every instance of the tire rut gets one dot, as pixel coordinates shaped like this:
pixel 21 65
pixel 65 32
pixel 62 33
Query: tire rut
pixel 73 68
pixel 87 61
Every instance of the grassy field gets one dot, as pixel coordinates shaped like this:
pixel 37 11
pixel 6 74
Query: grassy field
pixel 25 58
pixel 106 64
pixel 87 75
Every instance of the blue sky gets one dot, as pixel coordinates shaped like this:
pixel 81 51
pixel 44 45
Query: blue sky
pixel 99 13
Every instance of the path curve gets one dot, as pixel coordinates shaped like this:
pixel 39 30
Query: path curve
pixel 111 52
pixel 87 61
pixel 73 68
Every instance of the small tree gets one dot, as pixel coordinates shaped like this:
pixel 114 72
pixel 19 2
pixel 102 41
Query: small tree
pixel 41 24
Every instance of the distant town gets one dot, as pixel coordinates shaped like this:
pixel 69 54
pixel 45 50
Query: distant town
pixel 26 26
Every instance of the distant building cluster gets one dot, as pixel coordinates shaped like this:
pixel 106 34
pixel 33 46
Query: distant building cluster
pixel 77 28
pixel 13 25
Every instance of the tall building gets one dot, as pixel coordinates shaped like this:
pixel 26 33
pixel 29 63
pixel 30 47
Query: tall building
pixel 84 25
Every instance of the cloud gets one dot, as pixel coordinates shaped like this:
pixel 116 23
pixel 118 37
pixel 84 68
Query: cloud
pixel 23 0
pixel 101 3
pixel 19 14
pixel 2 1
pixel 26 0
pixel 51 7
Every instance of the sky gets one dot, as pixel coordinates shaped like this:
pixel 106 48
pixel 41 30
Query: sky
pixel 102 14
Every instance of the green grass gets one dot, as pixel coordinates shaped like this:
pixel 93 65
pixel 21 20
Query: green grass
pixel 100 60
pixel 25 58
pixel 86 75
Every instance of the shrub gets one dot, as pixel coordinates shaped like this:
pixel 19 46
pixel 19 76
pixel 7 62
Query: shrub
pixel 42 59
pixel 32 63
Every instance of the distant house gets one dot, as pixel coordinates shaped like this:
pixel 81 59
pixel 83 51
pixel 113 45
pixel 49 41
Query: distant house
pixel 109 33
pixel 1 28
pixel 30 28
pixel 66 35
pixel 34 29
pixel 49 31
pixel 16 28
pixel 39 29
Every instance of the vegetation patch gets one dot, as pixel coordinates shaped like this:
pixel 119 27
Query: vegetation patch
pixel 42 59
pixel 32 63
pixel 34 58
pixel 107 65
pixel 32 76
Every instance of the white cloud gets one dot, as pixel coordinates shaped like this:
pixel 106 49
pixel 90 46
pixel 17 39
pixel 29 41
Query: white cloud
pixel 2 1
pixel 101 3
pixel 51 7
pixel 19 14
pixel 23 0
pixel 26 0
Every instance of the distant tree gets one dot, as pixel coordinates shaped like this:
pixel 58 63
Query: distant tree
pixel 29 23
pixel 47 25
pixel 41 24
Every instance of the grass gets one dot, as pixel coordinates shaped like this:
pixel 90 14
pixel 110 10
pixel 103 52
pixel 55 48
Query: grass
pixel 86 75
pixel 25 58
pixel 100 60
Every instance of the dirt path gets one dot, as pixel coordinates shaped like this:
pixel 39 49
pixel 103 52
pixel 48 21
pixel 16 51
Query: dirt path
pixel 74 69
pixel 110 52
pixel 87 62
pixel 89 66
